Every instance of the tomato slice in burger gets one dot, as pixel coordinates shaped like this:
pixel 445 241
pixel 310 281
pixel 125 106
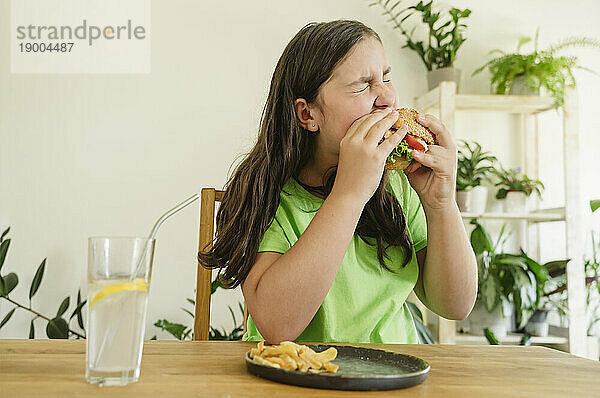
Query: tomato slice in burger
pixel 413 142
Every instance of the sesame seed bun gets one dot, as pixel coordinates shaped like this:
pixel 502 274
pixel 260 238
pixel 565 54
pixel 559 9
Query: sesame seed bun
pixel 409 117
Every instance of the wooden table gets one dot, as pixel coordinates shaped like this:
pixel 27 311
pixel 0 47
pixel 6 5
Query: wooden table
pixel 217 369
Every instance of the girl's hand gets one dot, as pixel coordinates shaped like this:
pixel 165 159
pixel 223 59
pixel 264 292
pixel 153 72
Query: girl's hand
pixel 362 158
pixel 436 182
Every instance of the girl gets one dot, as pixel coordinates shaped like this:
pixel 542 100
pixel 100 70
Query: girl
pixel 326 244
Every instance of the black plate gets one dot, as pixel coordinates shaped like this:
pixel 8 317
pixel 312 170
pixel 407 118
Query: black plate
pixel 360 369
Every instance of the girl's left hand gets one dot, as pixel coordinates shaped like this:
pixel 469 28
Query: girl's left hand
pixel 436 182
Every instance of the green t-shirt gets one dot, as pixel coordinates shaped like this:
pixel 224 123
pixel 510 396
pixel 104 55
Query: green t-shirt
pixel 366 303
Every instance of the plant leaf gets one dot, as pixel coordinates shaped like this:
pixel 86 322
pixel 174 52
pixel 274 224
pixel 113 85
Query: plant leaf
pixel 80 317
pixel 525 340
pixel 215 285
pixel 2 287
pixel 489 293
pixel 415 311
pixel 595 204
pixel 192 302
pixel 32 330
pixel 37 279
pixel 4 234
pixel 175 329
pixel 423 333
pixel 188 311
pixel 3 250
pixel 233 316
pixel 491 338
pixel 77 309
pixel 10 282
pixel 57 328
pixel 480 239
pixel 63 307
pixel 7 317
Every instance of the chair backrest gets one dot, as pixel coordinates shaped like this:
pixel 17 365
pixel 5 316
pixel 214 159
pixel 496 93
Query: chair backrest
pixel 208 199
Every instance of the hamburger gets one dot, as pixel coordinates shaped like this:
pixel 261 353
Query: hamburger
pixel 417 138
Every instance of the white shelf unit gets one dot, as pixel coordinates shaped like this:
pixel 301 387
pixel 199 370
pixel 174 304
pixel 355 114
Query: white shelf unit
pixel 510 338
pixel 546 215
pixel 444 102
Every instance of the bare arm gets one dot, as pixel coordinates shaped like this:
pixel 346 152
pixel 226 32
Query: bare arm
pixel 448 268
pixel 447 282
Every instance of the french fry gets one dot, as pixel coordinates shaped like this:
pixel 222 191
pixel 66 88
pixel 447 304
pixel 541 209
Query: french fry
pixel 316 370
pixel 308 357
pixel 258 349
pixel 331 367
pixel 303 366
pixel 290 362
pixel 263 361
pixel 276 360
pixel 327 355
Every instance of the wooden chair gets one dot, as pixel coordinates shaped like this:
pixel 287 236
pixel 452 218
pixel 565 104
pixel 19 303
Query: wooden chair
pixel 208 199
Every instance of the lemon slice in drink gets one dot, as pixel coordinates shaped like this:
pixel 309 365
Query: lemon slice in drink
pixel 137 284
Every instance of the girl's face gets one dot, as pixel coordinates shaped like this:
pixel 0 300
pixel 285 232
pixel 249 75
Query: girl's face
pixel 358 86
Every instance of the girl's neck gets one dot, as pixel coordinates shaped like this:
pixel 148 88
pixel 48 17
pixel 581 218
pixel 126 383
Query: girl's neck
pixel 314 172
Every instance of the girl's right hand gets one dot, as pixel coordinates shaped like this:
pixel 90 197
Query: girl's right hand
pixel 362 158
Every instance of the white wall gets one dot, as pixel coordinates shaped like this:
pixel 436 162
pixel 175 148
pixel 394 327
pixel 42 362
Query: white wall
pixel 84 155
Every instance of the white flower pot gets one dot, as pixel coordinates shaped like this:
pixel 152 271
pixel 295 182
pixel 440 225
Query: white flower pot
pixel 516 202
pixel 479 199
pixel 436 76
pixel 463 200
pixel 538 324
pixel 498 321
pixel 472 200
pixel 519 87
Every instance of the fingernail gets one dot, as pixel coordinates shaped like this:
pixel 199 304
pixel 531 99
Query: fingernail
pixel 403 129
pixel 421 118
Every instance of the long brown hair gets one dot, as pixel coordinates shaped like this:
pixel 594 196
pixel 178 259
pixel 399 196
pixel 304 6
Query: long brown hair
pixel 283 148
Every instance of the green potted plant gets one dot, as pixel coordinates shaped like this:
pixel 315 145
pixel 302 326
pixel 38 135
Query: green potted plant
pixel 504 279
pixel 524 74
pixel 556 287
pixel 57 327
pixel 443 40
pixel 515 188
pixel 553 284
pixel 474 166
pixel 183 332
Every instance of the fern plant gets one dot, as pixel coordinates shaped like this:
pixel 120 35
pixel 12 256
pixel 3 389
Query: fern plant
pixel 541 68
pixel 443 38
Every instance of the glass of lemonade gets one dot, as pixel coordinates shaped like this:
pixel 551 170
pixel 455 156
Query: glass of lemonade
pixel 117 302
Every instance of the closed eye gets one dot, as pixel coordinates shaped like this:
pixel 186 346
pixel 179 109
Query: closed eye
pixel 360 91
